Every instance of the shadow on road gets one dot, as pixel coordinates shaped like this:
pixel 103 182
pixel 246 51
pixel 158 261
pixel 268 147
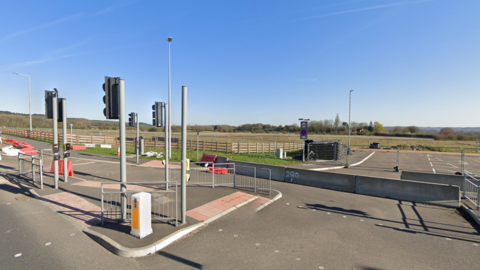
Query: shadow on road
pixel 180 259
pixel 413 226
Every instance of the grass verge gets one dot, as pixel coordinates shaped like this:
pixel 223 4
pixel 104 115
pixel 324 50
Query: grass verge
pixel 192 155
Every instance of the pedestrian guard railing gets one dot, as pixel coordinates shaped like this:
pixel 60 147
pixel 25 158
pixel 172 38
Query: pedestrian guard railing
pixel 164 201
pixel 31 167
pixel 255 179
pixel 471 190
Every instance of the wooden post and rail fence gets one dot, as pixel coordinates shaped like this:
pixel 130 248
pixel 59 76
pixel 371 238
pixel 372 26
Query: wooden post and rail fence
pixel 223 147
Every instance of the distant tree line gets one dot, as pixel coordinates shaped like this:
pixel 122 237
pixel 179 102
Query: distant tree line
pixel 334 126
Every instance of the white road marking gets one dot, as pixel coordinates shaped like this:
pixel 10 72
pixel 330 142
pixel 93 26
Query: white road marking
pixel 452 165
pixel 431 164
pixel 48 244
pixel 434 170
pixel 341 167
pixel 83 163
pixel 18 255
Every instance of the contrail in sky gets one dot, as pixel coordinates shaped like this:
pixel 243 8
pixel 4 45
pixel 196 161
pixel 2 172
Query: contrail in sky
pixel 19 33
pixel 68 18
pixel 363 9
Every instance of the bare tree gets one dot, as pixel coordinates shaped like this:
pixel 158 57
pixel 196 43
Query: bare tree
pixel 336 123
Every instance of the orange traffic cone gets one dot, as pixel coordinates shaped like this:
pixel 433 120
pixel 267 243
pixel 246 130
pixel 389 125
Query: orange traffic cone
pixel 118 152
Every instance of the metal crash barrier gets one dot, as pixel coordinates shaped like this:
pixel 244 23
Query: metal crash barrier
pixel 31 166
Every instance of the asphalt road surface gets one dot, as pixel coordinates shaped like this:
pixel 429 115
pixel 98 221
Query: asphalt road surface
pixel 308 228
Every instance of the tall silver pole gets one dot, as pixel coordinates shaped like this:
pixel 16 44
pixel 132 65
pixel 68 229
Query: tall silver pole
pixel 349 128
pixel 198 134
pixel 123 156
pixel 138 136
pixel 64 139
pixel 184 153
pixel 71 135
pixel 55 136
pixel 30 106
pixel 166 145
pixel 169 105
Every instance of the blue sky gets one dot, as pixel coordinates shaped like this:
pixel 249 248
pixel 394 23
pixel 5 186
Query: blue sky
pixel 409 62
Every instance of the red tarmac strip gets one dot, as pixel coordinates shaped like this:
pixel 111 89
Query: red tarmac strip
pixel 158 163
pixel 214 208
pixel 76 207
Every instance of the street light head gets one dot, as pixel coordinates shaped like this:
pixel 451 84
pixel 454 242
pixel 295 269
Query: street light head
pixel 16 73
pixel 169 39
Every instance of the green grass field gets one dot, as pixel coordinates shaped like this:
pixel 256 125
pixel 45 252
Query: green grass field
pixel 192 155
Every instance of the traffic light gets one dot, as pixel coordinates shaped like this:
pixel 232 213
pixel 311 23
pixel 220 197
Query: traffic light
pixel 111 98
pixel 49 105
pixel 131 119
pixel 157 114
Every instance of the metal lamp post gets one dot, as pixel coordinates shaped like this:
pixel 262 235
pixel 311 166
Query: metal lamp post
pixel 30 102
pixel 169 105
pixel 349 128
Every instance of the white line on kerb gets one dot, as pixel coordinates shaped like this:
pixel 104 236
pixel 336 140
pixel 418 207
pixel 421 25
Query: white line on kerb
pixel 83 163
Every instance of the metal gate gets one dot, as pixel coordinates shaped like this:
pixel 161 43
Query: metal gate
pixel 31 166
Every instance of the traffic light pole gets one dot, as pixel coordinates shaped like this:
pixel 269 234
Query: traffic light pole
pixel 138 138
pixel 123 157
pixel 55 137
pixel 64 129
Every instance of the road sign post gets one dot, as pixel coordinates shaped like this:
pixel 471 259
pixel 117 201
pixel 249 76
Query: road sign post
pixel 303 136
pixel 71 135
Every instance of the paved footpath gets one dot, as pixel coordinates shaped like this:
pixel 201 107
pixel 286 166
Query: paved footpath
pixel 79 199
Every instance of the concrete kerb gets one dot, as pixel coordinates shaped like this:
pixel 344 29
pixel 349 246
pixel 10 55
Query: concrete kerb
pixel 125 252
pixel 471 213
pixel 279 195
